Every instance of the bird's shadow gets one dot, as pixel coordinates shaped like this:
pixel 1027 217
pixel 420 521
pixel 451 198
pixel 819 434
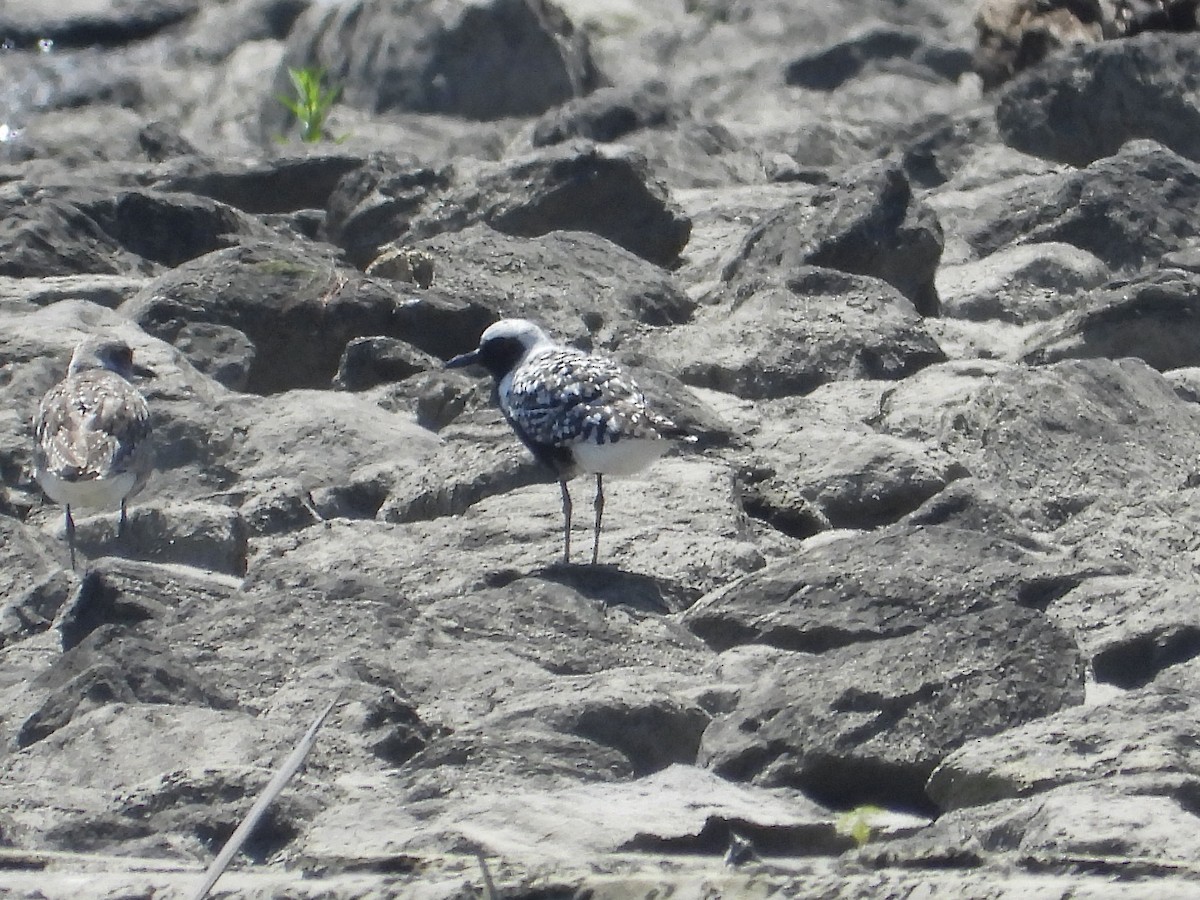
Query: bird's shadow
pixel 607 584
pixel 612 586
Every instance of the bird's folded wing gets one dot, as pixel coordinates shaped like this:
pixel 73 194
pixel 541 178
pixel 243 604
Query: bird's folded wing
pixel 91 428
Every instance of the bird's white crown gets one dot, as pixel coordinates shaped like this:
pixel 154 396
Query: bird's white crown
pixel 528 334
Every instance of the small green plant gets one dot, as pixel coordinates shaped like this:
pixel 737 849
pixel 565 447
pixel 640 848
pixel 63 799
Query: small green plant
pixel 856 824
pixel 312 103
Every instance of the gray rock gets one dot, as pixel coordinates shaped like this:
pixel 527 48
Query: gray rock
pixel 721 220
pixel 1131 629
pixel 104 290
pixel 274 186
pixel 948 146
pixel 247 288
pixel 782 338
pixel 679 808
pixel 683 150
pixel 1118 223
pixel 905 578
pixel 32 587
pixel 606 115
pixel 444 58
pixel 1112 827
pixel 53 237
pixel 221 352
pixel 215 32
pixel 1142 733
pixel 847 479
pixel 367 362
pixel 581 287
pixel 1025 283
pixel 641 715
pixel 124 592
pixel 170 229
pixel 882 49
pixel 575 186
pixel 1055 439
pixel 608 620
pixel 866 223
pixel 375 203
pixel 1147 535
pixel 973 505
pixel 1149 317
pixel 155 740
pixel 1186 382
pixel 1084 105
pixel 80 23
pixel 204 535
pixel 476 459
pixel 578 186
pixel 110 665
pixel 88 130
pixel 862 710
pixel 77 229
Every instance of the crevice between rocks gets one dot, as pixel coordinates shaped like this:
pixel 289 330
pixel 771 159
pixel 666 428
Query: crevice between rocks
pixel 1136 662
pixel 841 783
pixel 718 834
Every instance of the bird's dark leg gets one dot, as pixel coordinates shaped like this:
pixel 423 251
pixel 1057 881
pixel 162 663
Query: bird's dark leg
pixel 124 521
pixel 566 501
pixel 71 536
pixel 599 504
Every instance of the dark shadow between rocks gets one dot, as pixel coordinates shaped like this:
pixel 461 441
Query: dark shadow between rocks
pixel 113 664
pixel 269 836
pixel 846 784
pixel 97 602
pixel 718 835
pixel 1137 662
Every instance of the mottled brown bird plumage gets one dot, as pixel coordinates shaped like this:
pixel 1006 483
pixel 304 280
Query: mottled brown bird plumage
pixel 92 431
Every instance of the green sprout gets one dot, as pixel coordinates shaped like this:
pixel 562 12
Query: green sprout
pixel 856 824
pixel 312 103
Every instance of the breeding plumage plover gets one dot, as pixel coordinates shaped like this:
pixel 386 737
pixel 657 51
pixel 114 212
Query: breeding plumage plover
pixel 92 433
pixel 576 412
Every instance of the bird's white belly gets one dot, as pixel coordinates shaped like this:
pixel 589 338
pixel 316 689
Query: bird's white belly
pixel 96 493
pixel 626 457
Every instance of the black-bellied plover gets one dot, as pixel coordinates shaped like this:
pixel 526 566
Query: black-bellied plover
pixel 92 433
pixel 575 411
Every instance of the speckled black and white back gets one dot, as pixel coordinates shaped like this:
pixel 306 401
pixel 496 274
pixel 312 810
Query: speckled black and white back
pixel 564 397
pixel 578 412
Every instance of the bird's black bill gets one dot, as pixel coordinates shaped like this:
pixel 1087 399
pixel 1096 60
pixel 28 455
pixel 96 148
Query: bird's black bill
pixel 463 360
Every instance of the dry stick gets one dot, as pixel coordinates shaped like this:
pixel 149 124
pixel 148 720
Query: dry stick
pixel 489 886
pixel 270 792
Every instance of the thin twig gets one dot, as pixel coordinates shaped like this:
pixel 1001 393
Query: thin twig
pixel 270 792
pixel 489 886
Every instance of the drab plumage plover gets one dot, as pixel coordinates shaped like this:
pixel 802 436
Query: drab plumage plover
pixel 92 433
pixel 575 411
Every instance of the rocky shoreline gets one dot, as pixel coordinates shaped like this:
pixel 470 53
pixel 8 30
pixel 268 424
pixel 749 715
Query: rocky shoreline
pixel 915 616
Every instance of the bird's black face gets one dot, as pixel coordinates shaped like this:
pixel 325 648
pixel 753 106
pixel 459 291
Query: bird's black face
pixel 118 358
pixel 98 353
pixel 498 355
